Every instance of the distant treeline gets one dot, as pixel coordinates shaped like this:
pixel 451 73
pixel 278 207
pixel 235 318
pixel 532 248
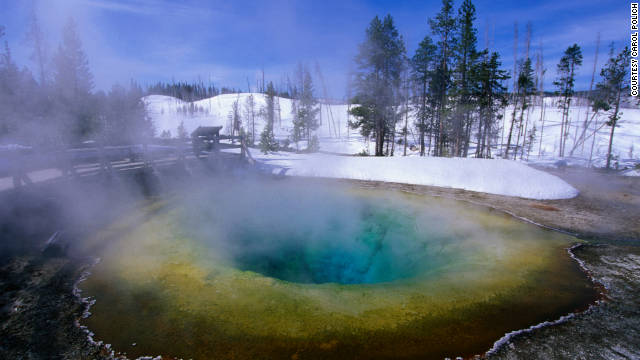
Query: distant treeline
pixel 198 90
pixel 188 91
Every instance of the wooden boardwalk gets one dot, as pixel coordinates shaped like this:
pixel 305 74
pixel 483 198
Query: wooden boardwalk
pixel 24 168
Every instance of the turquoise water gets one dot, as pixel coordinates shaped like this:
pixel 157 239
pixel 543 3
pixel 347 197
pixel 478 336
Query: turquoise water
pixel 322 236
pixel 301 269
pixel 371 245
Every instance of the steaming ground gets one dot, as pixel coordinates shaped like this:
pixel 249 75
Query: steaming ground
pixel 322 270
pixel 603 211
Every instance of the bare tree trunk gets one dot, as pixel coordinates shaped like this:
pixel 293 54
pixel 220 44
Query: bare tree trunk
pixel 467 134
pixel 430 136
pixel 504 127
pixel 593 141
pixel 515 58
pixel 524 138
pixel 393 140
pixel 513 120
pixel 541 72
pixel 562 127
pixel 487 131
pixel 515 153
pixel 480 138
pixel 567 129
pixel 586 124
pixel 614 121
pixel 542 118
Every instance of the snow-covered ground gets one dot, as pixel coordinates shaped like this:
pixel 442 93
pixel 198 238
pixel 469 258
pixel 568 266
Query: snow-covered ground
pixel 631 172
pixel 494 176
pixel 336 137
pixel 626 140
pixel 501 177
pixel 334 134
pixel 165 111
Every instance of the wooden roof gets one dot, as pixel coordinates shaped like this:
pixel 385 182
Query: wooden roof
pixel 206 131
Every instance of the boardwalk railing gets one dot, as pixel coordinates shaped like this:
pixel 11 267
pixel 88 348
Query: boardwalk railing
pixel 17 161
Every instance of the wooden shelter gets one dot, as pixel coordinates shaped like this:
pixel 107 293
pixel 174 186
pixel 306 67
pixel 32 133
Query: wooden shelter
pixel 205 138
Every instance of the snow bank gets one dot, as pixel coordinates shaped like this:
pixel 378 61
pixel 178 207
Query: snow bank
pixel 632 172
pixel 501 177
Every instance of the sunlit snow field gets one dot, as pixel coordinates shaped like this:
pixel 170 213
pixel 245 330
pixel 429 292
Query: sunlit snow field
pixel 336 137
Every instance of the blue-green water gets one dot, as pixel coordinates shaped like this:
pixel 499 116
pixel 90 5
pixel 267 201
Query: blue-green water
pixel 296 269
pixel 375 244
pixel 322 236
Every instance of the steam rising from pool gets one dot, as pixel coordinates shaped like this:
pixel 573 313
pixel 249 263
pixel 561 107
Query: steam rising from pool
pixel 242 270
pixel 322 236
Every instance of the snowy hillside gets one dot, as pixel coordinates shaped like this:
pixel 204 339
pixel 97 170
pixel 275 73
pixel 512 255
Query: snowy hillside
pixel 167 114
pixel 335 137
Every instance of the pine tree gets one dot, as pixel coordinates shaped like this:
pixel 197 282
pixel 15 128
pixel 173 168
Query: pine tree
pixel 492 96
pixel 73 83
pixel 123 115
pixel 308 109
pixel 466 56
pixel 20 100
pixel 423 65
pixel 379 62
pixel 268 140
pixel 443 27
pixel 39 53
pixel 614 82
pixel 565 82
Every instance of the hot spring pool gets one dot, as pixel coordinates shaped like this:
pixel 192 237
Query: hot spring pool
pixel 293 269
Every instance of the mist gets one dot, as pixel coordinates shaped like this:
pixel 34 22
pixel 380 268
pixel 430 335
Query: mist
pixel 305 179
pixel 310 233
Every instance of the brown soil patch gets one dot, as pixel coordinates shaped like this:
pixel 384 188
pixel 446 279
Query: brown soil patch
pixel 545 207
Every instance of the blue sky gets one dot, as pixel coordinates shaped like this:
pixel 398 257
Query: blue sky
pixel 228 42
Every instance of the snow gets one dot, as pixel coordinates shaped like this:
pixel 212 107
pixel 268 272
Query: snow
pixel 625 141
pixel 336 137
pixel 505 177
pixel 334 134
pixel 500 177
pixel 215 111
pixel 632 172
